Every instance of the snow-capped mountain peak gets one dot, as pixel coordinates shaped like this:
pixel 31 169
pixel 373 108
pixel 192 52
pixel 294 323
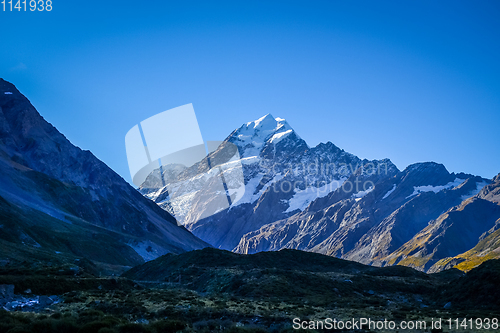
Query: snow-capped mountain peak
pixel 253 136
pixel 266 121
pixel 263 127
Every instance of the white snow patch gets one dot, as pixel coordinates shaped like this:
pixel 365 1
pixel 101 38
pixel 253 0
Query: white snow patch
pixel 389 192
pixel 429 188
pixel 7 93
pixel 250 160
pixel 302 198
pixel 182 194
pixel 250 188
pixel 154 194
pixel 263 121
pixel 279 136
pixel 361 194
pixel 479 187
pixel 181 205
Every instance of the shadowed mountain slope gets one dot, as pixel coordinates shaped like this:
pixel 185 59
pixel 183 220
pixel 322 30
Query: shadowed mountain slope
pixel 53 194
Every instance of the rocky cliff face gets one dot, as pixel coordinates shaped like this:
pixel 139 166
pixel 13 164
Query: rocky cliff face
pixel 44 174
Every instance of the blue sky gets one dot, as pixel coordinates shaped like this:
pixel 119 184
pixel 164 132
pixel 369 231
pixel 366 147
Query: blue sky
pixel 411 81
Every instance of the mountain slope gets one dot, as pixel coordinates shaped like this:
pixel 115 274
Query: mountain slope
pixel 30 235
pixel 487 248
pixel 367 227
pixel 414 213
pixel 44 175
pixel 454 232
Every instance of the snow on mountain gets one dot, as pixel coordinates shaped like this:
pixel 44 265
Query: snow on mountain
pixel 178 192
pixel 478 189
pixel 253 189
pixel 429 188
pixel 252 136
pixel 389 192
pixel 361 194
pixel 302 198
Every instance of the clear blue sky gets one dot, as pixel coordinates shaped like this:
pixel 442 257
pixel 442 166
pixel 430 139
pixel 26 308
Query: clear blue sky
pixel 409 80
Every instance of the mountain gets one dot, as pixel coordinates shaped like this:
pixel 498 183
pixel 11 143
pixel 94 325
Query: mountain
pixel 487 248
pixel 469 227
pixel 55 197
pixel 368 228
pixel 281 175
pixel 320 199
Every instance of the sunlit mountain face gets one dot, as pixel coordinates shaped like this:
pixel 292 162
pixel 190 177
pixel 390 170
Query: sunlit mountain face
pixel 326 200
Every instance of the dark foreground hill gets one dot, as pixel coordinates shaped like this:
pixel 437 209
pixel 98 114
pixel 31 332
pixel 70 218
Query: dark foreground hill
pixel 317 279
pixel 210 258
pixel 478 288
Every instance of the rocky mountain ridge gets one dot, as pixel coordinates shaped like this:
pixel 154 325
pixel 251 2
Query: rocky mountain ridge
pixel 49 184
